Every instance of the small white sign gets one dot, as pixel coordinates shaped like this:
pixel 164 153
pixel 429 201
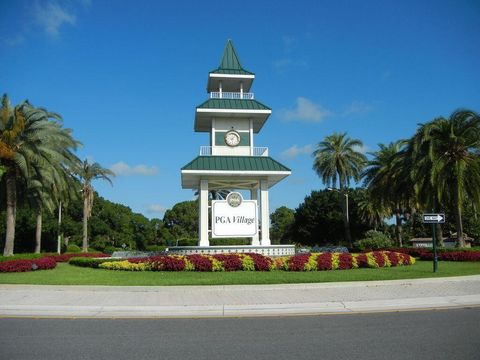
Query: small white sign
pixel 234 218
pixel 433 218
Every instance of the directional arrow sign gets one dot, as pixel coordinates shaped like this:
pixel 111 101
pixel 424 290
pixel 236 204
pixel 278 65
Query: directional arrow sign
pixel 433 218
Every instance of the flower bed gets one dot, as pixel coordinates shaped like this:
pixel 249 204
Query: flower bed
pixel 453 256
pixel 41 261
pixel 443 254
pixel 27 265
pixel 253 262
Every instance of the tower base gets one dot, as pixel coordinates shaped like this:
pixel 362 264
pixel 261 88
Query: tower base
pixel 271 250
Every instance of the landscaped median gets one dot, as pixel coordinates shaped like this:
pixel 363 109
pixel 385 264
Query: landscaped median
pixel 251 262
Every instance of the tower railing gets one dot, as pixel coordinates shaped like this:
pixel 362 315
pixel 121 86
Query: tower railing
pixel 231 95
pixel 256 151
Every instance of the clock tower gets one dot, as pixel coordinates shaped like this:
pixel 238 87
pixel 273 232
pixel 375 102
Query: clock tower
pixel 231 162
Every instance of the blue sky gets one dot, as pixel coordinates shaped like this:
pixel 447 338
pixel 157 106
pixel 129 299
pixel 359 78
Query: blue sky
pixel 127 75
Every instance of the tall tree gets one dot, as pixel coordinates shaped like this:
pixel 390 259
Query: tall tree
pixel 371 210
pixel 30 139
pixel 387 177
pixel 89 172
pixel 282 220
pixel 453 147
pixel 337 161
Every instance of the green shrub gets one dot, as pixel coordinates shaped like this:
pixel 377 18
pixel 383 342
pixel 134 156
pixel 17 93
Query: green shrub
pixel 26 256
pixel 89 262
pixel 155 248
pixel 111 249
pixel 230 241
pixel 72 248
pixel 374 240
pixel 186 242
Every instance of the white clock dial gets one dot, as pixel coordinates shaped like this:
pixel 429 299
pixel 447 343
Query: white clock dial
pixel 232 138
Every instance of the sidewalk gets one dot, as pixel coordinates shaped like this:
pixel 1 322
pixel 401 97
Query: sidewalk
pixel 238 300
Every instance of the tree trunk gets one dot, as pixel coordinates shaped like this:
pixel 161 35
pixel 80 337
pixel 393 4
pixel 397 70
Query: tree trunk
pixel 398 227
pixel 11 189
pixel 458 218
pixel 346 222
pixel 439 233
pixel 85 225
pixel 38 233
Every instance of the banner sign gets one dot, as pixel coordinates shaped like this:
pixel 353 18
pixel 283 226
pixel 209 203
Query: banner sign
pixel 234 217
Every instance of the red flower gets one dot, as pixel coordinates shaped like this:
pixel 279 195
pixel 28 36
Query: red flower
pixel 200 262
pixel 345 261
pixel 231 262
pixel 324 261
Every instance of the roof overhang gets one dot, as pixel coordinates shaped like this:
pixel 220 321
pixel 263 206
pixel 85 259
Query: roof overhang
pixel 229 82
pixel 191 178
pixel 204 116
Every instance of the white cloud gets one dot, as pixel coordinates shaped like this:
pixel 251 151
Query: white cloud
pixel 123 169
pixel 156 208
pixel 364 149
pixel 357 108
pixel 305 111
pixel 13 41
pixel 295 151
pixel 50 16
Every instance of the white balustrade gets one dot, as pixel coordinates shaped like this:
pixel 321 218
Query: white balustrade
pixel 205 150
pixel 231 95
pixel 257 151
pixel 260 151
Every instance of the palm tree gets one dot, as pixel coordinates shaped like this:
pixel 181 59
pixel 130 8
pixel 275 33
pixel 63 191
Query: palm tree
pixel 449 149
pixel 89 172
pixel 387 178
pixel 337 160
pixel 46 190
pixel 371 209
pixel 30 139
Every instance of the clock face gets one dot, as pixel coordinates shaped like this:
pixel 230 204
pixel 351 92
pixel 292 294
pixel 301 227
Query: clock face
pixel 232 138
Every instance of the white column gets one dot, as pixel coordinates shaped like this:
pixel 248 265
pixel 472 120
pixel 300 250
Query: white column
pixel 265 241
pixel 251 137
pixel 203 214
pixel 212 139
pixel 254 196
pixel 220 89
pixel 241 89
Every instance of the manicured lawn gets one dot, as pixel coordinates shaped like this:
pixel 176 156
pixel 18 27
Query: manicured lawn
pixel 66 274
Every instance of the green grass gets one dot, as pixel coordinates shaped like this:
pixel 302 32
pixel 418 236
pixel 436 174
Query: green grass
pixel 66 274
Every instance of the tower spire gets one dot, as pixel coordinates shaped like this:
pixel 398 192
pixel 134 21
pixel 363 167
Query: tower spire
pixel 230 59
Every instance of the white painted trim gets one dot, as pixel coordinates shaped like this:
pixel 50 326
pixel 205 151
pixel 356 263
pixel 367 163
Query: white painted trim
pixel 251 137
pixel 233 76
pixel 212 138
pixel 235 172
pixel 265 214
pixel 238 111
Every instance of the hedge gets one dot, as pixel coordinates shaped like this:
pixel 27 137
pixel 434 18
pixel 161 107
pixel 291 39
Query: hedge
pixel 30 262
pixel 442 253
pixel 27 265
pixel 253 262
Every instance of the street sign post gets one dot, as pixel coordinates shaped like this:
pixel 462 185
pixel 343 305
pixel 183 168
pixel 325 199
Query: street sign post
pixel 434 219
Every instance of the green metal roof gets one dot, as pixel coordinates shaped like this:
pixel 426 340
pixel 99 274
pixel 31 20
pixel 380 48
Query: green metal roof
pixel 230 63
pixel 237 104
pixel 235 163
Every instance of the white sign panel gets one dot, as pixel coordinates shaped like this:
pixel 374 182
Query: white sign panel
pixel 433 218
pixel 234 217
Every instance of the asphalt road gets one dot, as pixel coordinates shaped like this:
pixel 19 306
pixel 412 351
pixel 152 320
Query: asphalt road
pixel 440 334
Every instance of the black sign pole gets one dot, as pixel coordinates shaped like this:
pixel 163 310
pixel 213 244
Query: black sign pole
pixel 434 243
